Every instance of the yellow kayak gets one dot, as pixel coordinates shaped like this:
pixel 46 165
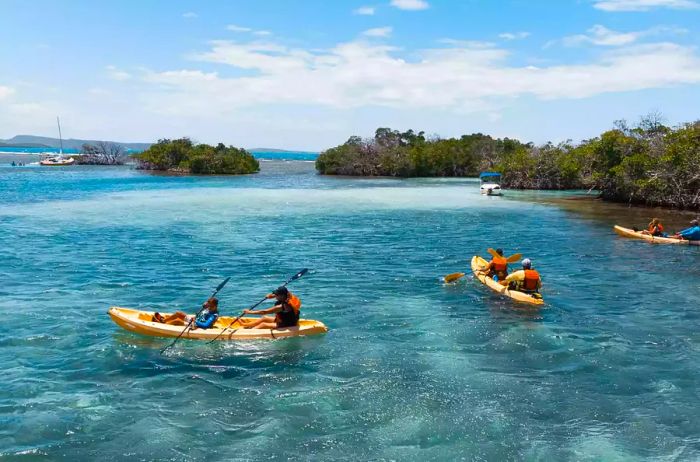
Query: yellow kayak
pixel 140 322
pixel 626 232
pixel 478 263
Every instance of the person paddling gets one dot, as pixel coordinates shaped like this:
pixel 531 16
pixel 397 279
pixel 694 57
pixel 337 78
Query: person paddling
pixel 498 266
pixel 205 320
pixel 286 310
pixel 655 228
pixel 526 280
pixel 690 234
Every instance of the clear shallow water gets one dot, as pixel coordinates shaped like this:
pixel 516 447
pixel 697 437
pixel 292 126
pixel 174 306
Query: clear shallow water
pixel 410 370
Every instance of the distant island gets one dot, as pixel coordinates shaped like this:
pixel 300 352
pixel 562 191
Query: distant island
pixel 184 156
pixel 4 144
pixel 649 164
pixel 281 151
pixel 31 141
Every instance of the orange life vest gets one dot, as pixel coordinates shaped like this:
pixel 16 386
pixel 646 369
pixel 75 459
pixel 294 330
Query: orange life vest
pixel 287 318
pixel 656 230
pixel 294 302
pixel 500 264
pixel 532 278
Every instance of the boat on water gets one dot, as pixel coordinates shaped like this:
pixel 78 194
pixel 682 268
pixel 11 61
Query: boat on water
pixel 626 232
pixel 141 322
pixel 490 184
pixel 57 160
pixel 479 263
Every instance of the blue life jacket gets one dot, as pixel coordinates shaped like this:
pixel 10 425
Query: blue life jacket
pixel 206 319
pixel 692 233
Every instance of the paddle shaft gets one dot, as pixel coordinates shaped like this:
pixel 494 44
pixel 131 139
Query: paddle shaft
pixel 189 324
pixel 293 278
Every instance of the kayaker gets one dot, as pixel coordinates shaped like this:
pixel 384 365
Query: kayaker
pixel 204 320
pixel 498 266
pixel 286 310
pixel 690 234
pixel 655 228
pixel 526 280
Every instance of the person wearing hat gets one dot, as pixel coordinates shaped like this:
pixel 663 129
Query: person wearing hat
pixel 690 234
pixel 526 280
pixel 286 310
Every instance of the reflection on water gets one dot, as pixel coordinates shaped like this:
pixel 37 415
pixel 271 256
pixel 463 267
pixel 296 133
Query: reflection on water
pixel 410 370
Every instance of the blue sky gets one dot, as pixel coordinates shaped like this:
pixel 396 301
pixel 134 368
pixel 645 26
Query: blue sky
pixel 309 74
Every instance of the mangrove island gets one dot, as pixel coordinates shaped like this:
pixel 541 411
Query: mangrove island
pixel 649 163
pixel 184 156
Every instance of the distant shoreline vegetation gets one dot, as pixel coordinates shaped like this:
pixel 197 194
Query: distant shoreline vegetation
pixel 648 164
pixel 184 156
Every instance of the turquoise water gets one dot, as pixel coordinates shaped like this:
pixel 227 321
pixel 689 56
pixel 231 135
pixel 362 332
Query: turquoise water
pixel 410 370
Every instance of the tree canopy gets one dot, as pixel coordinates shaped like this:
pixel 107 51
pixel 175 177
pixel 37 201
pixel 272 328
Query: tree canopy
pixel 182 155
pixel 649 163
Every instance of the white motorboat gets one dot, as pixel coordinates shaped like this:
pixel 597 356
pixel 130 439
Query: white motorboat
pixel 490 184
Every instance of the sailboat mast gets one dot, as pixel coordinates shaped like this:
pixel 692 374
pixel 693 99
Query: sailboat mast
pixel 60 137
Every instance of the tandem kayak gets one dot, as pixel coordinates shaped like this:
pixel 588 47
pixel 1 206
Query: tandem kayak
pixel 478 263
pixel 626 232
pixel 140 322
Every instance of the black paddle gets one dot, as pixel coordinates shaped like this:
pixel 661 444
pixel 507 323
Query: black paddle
pixel 293 278
pixel 216 291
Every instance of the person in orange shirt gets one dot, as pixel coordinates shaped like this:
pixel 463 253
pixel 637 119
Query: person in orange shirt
pixel 526 280
pixel 286 310
pixel 655 228
pixel 498 266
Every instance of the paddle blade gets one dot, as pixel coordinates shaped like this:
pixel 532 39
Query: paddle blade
pixel 221 286
pixel 492 252
pixel 515 258
pixel 453 277
pixel 299 274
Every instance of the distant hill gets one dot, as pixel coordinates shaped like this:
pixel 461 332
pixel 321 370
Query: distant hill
pixel 278 150
pixel 23 145
pixel 31 141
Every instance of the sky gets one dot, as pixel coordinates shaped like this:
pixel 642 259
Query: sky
pixel 307 75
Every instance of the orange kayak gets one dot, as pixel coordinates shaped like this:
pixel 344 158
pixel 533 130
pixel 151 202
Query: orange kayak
pixel 140 323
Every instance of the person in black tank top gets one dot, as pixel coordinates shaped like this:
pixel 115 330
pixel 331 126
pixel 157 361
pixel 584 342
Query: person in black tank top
pixel 286 311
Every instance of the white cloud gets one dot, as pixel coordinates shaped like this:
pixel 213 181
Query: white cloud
pixel 378 32
pixel 5 92
pixel 234 28
pixel 644 5
pixel 364 10
pixel 514 35
pixel 410 4
pixel 190 15
pixel 602 36
pixel 461 78
pixel 259 33
pixel 117 74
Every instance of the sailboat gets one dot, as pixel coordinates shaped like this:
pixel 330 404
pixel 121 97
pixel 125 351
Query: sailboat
pixel 57 160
